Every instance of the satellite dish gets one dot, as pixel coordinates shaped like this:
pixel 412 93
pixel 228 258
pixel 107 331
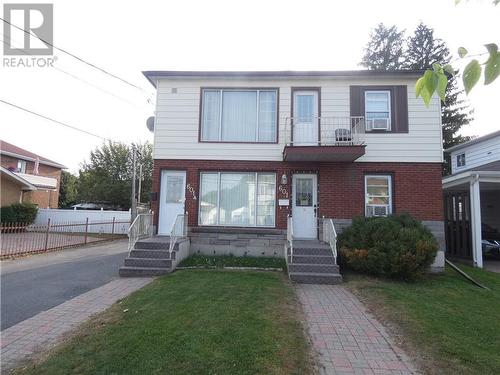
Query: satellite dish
pixel 150 123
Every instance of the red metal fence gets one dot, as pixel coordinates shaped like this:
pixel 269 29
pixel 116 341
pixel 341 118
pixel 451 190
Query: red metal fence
pixel 20 238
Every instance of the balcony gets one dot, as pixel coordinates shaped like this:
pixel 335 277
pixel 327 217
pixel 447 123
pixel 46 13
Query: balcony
pixel 330 139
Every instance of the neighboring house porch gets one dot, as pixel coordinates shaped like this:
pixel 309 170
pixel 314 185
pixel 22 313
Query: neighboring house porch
pixel 472 206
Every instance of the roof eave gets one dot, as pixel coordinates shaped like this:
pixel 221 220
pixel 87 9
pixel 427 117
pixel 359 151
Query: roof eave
pixel 154 75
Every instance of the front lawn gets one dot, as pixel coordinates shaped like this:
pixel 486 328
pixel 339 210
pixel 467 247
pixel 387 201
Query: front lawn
pixel 452 324
pixel 192 322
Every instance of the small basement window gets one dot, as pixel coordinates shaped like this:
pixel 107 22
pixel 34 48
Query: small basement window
pixel 460 160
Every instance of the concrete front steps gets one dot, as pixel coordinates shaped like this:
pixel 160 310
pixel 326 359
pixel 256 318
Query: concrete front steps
pixel 151 257
pixel 313 263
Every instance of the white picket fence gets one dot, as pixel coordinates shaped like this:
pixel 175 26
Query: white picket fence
pixel 100 221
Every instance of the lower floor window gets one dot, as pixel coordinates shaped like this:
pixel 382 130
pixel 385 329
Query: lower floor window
pixel 237 199
pixel 378 195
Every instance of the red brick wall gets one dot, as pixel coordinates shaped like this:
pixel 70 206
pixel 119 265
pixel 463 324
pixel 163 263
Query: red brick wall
pixel 417 188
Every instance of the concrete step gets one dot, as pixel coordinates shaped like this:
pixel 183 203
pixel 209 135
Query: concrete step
pixel 150 254
pixel 311 251
pixel 148 262
pixel 152 245
pixel 315 268
pixel 315 278
pixel 142 271
pixel 311 259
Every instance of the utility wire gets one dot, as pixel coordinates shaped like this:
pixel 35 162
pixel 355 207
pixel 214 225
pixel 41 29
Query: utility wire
pixel 56 121
pixel 79 59
pixel 81 79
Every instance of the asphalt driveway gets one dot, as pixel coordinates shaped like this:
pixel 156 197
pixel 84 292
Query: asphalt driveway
pixel 37 283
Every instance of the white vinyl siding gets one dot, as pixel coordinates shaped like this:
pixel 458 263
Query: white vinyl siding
pixel 238 115
pixel 237 199
pixel 178 117
pixel 477 154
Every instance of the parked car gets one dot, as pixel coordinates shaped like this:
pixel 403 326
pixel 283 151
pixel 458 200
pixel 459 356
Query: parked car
pixel 491 241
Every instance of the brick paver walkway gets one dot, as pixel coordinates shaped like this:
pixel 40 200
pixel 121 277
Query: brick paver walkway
pixel 346 337
pixel 44 330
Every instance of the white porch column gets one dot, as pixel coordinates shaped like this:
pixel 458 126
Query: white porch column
pixel 475 217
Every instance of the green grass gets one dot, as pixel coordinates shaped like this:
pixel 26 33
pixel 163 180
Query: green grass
pixel 191 322
pixel 232 261
pixel 452 324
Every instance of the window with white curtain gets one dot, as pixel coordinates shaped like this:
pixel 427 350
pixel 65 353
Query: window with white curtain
pixel 230 115
pixel 378 193
pixel 237 199
pixel 378 110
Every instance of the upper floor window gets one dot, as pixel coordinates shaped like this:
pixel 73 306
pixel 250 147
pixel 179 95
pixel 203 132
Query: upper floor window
pixel 460 160
pixel 239 115
pixel 21 166
pixel 378 110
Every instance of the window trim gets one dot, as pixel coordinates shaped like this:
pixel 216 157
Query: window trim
pixel 458 156
pixel 218 173
pixel 389 94
pixel 208 88
pixel 390 177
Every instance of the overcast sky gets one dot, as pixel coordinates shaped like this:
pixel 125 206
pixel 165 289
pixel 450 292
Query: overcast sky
pixel 127 37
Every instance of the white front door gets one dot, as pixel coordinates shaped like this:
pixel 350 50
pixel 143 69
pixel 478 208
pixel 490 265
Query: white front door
pixel 304 205
pixel 172 198
pixel 305 118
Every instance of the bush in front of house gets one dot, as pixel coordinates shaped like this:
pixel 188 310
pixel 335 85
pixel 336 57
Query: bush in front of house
pixel 397 246
pixel 19 213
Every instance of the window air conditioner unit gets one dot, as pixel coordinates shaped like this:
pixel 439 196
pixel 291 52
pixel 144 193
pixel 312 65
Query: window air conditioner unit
pixel 377 210
pixel 379 124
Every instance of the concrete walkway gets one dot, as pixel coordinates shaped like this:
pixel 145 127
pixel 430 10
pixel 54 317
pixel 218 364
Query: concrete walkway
pixel 43 330
pixel 347 339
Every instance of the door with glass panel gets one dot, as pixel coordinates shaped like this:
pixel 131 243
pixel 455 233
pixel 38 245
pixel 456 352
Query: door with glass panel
pixel 305 118
pixel 304 205
pixel 172 198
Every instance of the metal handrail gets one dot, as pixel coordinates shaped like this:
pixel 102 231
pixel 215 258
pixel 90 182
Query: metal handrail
pixel 289 237
pixel 330 236
pixel 141 227
pixel 178 230
pixel 331 131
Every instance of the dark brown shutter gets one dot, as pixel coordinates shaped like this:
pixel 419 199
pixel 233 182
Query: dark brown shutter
pixel 357 100
pixel 400 109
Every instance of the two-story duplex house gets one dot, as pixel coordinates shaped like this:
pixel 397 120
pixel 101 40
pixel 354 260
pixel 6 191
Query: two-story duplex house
pixel 241 152
pixel 472 198
pixel 28 177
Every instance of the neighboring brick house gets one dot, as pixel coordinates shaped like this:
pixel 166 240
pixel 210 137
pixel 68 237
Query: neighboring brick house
pixel 21 182
pixel 243 152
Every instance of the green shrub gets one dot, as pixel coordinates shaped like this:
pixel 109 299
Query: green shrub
pixel 396 246
pixel 19 213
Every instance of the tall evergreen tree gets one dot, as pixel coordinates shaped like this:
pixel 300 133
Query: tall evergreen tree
pixel 384 51
pixel 423 49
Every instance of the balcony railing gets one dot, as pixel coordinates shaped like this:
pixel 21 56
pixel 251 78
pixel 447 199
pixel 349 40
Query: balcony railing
pixel 325 131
